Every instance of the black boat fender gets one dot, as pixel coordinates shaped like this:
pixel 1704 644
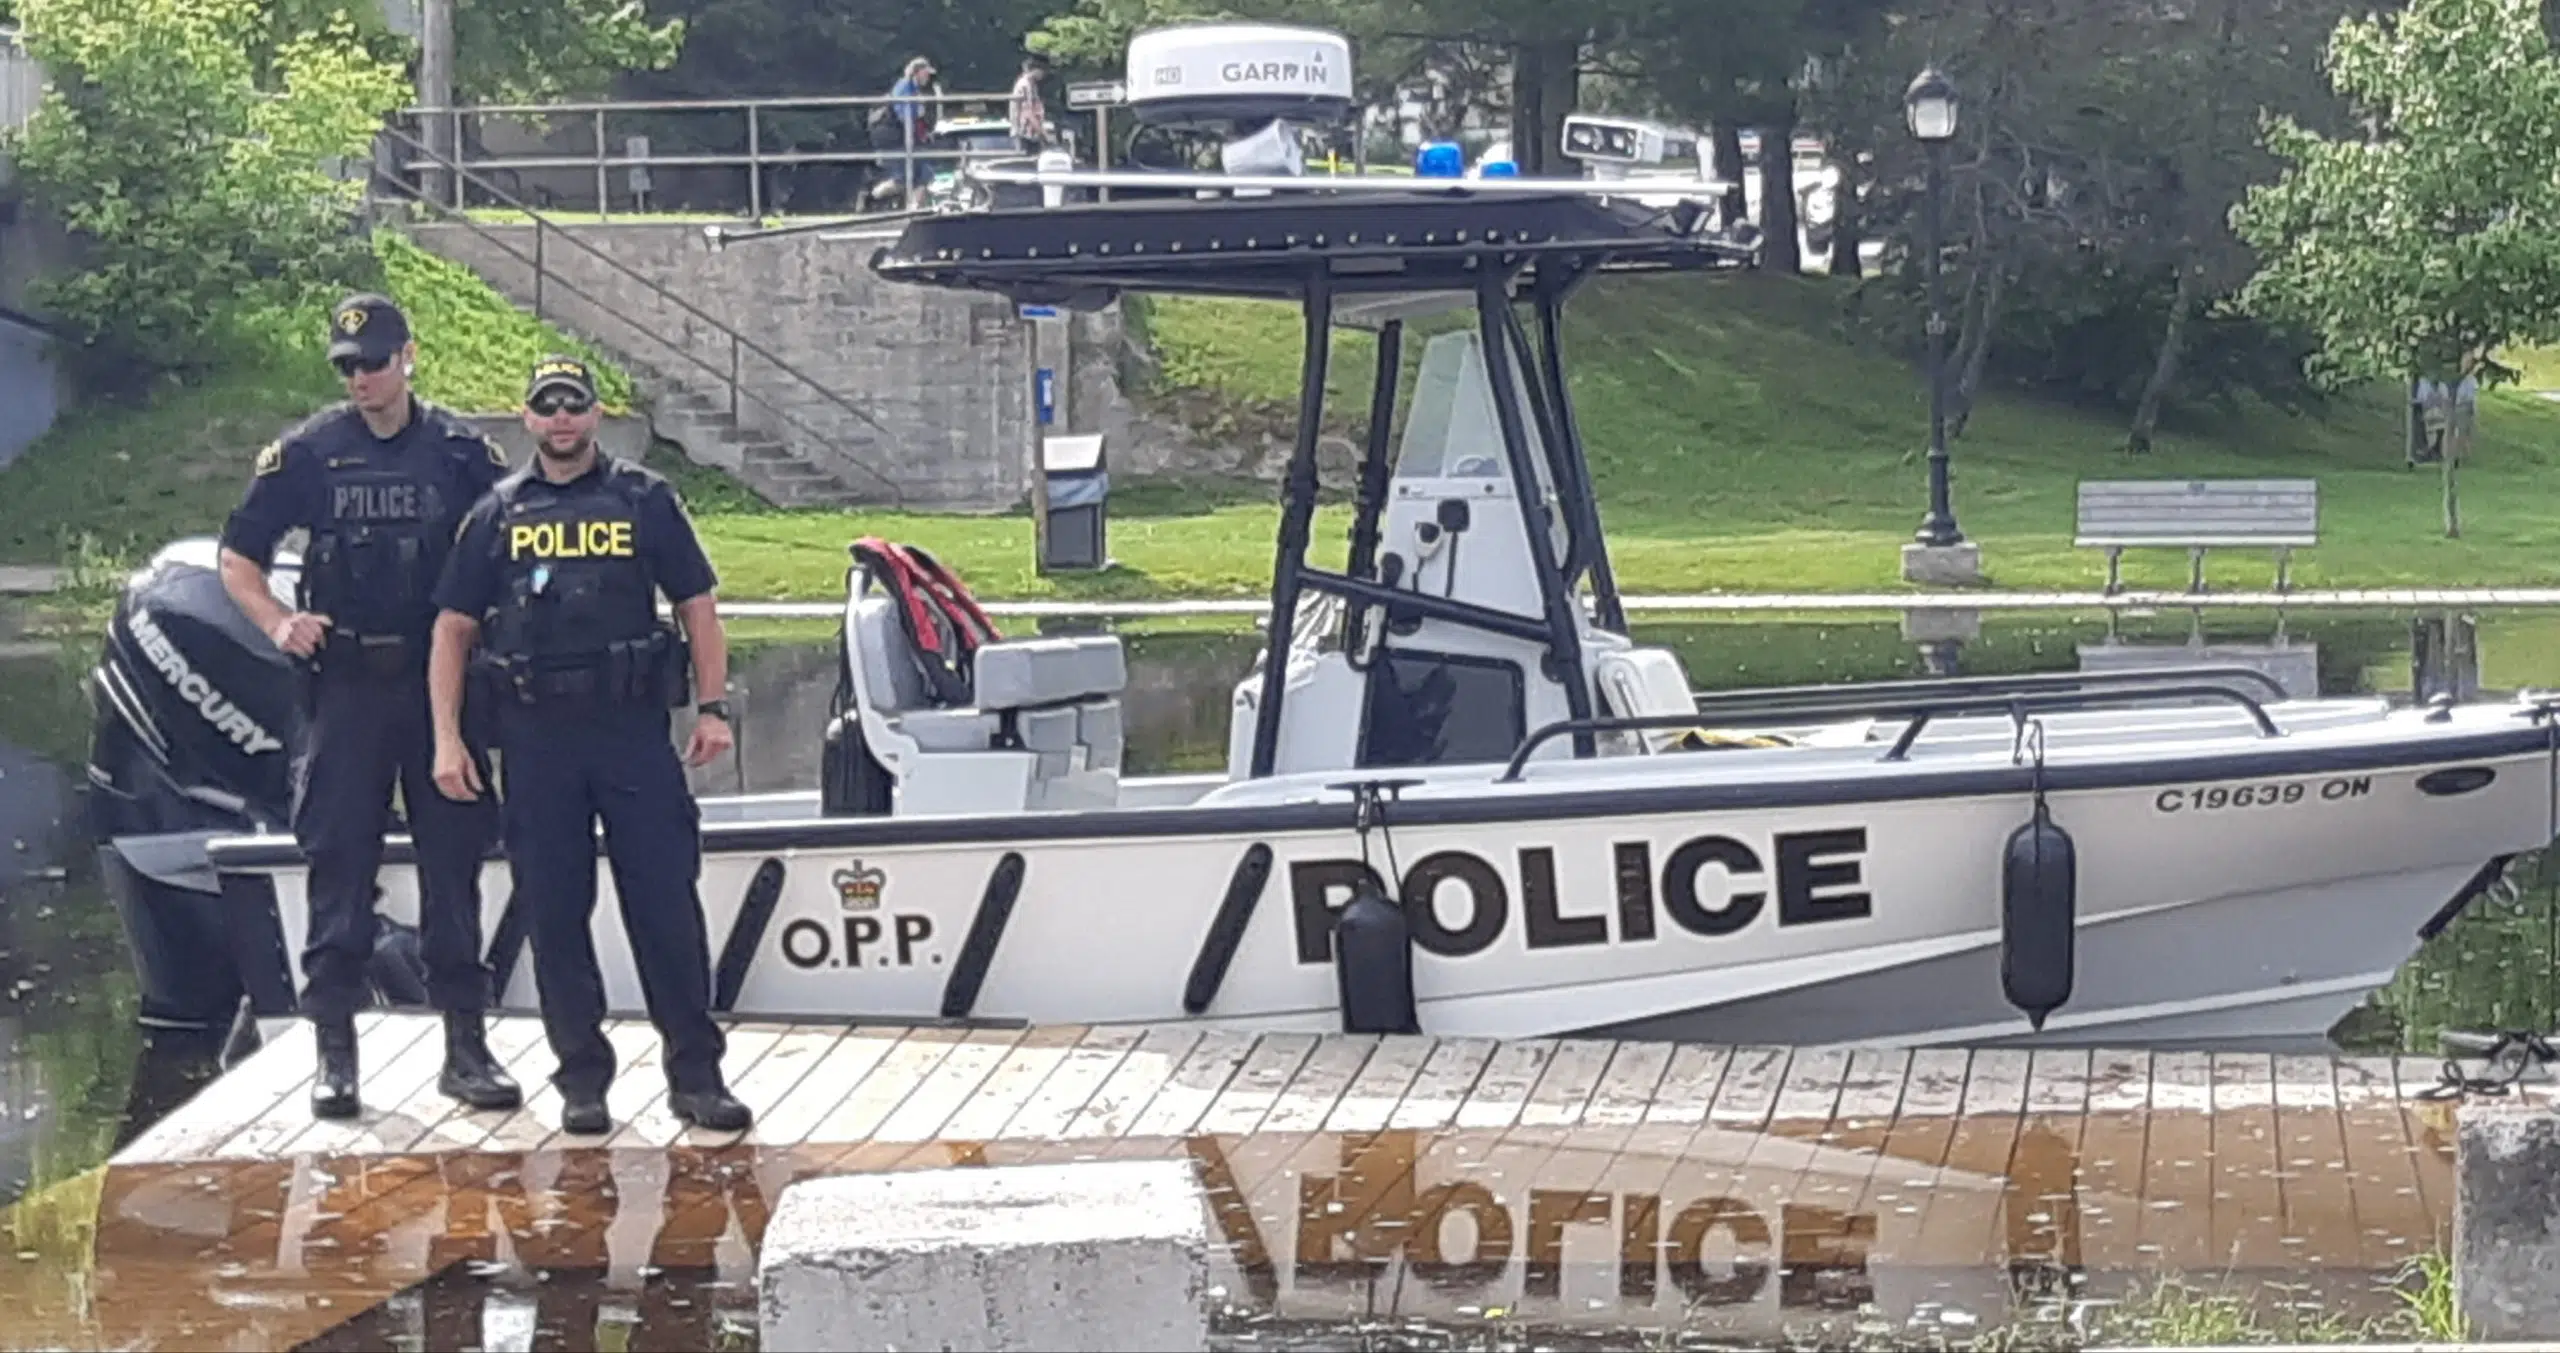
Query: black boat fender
pixel 1372 940
pixel 2038 907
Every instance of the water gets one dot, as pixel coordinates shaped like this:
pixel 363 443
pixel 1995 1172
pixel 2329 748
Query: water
pixel 78 1077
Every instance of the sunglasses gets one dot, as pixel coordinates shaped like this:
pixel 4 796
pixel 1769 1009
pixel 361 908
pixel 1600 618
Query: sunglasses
pixel 547 404
pixel 348 366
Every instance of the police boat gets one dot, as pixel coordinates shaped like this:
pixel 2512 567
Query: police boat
pixel 1461 796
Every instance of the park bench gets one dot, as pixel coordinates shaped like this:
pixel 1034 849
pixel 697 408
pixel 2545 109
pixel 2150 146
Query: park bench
pixel 2198 515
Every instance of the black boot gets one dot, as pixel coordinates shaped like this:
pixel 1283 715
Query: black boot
pixel 470 1073
pixel 715 1110
pixel 585 1116
pixel 333 1092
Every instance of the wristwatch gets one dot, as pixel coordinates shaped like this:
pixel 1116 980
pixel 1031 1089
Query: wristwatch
pixel 718 709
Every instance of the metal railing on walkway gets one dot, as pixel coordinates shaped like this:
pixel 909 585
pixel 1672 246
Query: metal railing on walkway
pixel 739 345
pixel 441 131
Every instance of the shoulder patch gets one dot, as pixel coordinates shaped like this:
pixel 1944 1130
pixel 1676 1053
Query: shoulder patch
pixel 270 459
pixel 497 453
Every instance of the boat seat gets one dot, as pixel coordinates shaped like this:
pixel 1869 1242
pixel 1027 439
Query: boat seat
pixel 1051 703
pixel 1643 682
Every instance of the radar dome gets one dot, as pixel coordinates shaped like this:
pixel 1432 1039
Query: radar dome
pixel 1229 77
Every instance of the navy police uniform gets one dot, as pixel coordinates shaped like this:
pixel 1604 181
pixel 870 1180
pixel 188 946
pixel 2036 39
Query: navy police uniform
pixel 583 675
pixel 381 513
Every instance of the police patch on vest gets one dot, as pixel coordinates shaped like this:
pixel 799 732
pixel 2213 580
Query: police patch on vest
pixel 270 459
pixel 602 539
pixel 375 502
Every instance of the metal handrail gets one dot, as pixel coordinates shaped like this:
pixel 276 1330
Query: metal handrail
pixel 449 119
pixel 1919 709
pixel 738 342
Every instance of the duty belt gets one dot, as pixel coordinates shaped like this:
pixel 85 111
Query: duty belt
pixel 377 655
pixel 645 672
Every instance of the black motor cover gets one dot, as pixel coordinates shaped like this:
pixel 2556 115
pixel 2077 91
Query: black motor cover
pixel 189 696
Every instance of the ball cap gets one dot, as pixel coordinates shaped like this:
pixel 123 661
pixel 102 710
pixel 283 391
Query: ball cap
pixel 367 326
pixel 561 373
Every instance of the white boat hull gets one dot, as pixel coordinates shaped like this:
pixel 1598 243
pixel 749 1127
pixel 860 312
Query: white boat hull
pixel 1805 895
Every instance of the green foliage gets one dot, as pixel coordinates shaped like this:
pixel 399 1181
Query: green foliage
pixel 531 51
pixel 2423 248
pixel 199 198
pixel 474 345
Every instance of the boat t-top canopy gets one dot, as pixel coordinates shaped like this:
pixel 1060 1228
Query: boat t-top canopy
pixel 1491 451
pixel 1292 244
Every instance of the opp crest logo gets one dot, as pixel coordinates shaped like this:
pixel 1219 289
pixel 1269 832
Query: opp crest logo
pixel 859 888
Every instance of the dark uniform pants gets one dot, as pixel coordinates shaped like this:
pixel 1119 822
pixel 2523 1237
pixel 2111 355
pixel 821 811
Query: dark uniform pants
pixel 566 769
pixel 364 735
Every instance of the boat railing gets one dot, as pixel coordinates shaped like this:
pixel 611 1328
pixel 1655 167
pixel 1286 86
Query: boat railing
pixel 1829 694
pixel 1919 709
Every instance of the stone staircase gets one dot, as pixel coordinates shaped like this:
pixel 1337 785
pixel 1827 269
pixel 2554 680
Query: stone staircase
pixel 701 425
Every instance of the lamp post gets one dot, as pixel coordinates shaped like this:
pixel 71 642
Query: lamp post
pixel 1929 109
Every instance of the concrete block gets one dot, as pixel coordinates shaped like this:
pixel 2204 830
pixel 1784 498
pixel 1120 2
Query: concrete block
pixel 2506 1218
pixel 1100 1255
pixel 1941 624
pixel 1943 565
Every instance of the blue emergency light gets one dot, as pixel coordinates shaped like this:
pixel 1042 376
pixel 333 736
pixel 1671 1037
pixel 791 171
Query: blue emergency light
pixel 1440 160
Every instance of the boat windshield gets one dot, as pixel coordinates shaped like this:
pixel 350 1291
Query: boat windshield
pixel 1452 430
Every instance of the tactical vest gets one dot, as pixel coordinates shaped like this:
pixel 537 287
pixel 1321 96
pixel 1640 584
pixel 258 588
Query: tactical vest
pixel 387 515
pixel 577 615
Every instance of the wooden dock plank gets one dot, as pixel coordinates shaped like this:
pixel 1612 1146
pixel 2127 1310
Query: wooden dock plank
pixel 920 1116
pixel 383 1062
pixel 1628 1086
pixel 1433 1100
pixel 2248 1207
pixel 1309 1097
pixel 839 1068
pixel 801 1049
pixel 2391 1216
pixel 1915 1148
pixel 656 1125
pixel 1689 1085
pixel 2178 1171
pixel 1014 1081
pixel 2321 1227
pixel 253 1091
pixel 1811 1089
pixel 1566 1086
pixel 1750 1088
pixel 517 1045
pixel 1052 1107
pixel 865 1104
pixel 1961 1223
pixel 1503 1089
pixel 1116 1106
pixel 2113 1144
pixel 1373 1095
pixel 1267 1071
pixel 1195 1085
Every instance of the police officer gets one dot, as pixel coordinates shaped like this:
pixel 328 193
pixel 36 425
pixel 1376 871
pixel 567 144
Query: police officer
pixel 564 561
pixel 380 482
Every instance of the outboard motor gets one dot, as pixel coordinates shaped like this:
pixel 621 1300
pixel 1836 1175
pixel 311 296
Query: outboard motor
pixel 196 718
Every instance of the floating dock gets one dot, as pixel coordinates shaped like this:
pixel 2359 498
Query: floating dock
pixel 1558 1183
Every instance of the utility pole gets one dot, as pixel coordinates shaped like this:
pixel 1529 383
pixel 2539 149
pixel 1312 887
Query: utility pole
pixel 435 94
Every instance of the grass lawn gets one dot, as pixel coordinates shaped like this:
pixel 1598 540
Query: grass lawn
pixel 1739 445
pixel 1737 441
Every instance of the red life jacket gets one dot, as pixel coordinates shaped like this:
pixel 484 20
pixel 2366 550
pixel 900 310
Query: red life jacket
pixel 944 626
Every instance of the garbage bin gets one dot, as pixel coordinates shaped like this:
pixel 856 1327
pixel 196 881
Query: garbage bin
pixel 1079 494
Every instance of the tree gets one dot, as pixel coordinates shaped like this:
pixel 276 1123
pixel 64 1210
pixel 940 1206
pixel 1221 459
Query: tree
pixel 533 51
pixel 201 199
pixel 2418 247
